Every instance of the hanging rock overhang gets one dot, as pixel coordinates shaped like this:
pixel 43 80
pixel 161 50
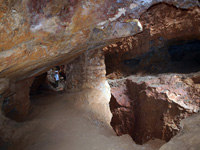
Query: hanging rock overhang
pixel 36 35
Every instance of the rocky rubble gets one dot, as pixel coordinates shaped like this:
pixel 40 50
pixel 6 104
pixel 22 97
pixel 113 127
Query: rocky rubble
pixel 151 107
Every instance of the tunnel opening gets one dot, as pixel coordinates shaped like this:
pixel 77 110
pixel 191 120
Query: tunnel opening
pixel 20 98
pixel 17 102
pixel 53 80
pixel 86 93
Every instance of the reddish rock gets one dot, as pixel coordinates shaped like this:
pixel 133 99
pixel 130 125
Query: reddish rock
pixel 170 26
pixel 155 109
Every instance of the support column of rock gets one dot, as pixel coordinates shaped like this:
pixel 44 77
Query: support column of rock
pixel 14 104
pixel 87 74
pixel 17 101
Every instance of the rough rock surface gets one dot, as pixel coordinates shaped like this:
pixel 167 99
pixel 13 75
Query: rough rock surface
pixel 36 35
pixel 163 25
pixel 152 106
pixel 188 138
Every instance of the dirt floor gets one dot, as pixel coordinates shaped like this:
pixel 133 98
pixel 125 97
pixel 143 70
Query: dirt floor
pixel 57 123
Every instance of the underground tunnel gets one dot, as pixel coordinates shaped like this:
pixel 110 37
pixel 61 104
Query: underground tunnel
pixel 130 75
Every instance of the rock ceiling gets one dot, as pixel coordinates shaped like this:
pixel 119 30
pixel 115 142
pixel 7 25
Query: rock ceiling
pixel 38 34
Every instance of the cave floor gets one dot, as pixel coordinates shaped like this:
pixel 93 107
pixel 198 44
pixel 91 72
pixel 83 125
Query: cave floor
pixel 56 122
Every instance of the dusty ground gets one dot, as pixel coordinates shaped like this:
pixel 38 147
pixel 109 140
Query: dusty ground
pixel 57 123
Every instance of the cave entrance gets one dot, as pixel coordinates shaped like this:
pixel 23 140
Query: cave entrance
pixel 153 92
pixel 17 104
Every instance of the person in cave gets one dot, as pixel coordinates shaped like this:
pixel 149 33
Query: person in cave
pixel 56 77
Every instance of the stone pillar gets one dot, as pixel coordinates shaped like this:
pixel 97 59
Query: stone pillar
pixel 17 101
pixel 87 74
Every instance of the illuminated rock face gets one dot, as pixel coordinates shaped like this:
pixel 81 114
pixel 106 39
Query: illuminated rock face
pixel 86 74
pixel 36 35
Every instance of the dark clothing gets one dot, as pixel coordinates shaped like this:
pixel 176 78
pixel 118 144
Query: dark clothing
pixel 56 83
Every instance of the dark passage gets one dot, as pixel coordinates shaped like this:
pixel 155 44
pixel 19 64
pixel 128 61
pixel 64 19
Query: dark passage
pixel 185 57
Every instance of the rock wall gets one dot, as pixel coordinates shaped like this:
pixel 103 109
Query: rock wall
pixel 163 25
pixel 16 100
pixel 14 104
pixel 152 107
